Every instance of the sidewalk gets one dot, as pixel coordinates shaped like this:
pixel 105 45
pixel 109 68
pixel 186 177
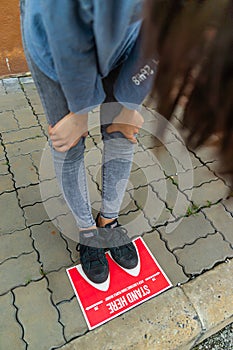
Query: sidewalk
pixel 38 307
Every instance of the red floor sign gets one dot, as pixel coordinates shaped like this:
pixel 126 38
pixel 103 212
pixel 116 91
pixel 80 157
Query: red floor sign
pixel 123 290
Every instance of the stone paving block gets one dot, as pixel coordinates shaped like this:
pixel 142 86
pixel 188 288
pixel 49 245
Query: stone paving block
pixel 25 147
pixel 135 223
pixel 93 157
pixel 26 80
pixel 144 176
pixel 93 189
pixel 153 208
pixel 144 158
pixel 72 318
pixel 4 167
pixel 48 210
pixel 51 247
pixel 11 331
pixel 164 159
pixel 221 219
pixel 186 231
pixel 60 286
pixel 29 195
pixel 19 271
pixel 165 258
pixel 34 98
pixel 2 153
pixel 95 172
pixel 2 89
pixel 202 175
pixel 207 154
pixel 12 85
pixel 67 225
pixel 42 160
pixel 8 121
pixel 128 204
pixel 38 316
pixel 6 183
pixel 212 297
pixel 14 244
pixel 204 254
pixel 149 141
pixel 22 134
pixel 228 204
pixel 210 192
pixel 14 100
pixel 168 193
pixel 25 117
pixel 43 122
pixel 23 171
pixel 8 205
pixel 49 189
pixel 175 328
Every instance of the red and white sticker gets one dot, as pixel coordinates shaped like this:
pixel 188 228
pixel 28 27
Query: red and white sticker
pixel 123 290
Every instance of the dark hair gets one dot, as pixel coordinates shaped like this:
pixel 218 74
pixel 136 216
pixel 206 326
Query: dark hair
pixel 194 42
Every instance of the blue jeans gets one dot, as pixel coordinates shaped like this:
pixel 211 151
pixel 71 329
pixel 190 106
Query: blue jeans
pixel 69 166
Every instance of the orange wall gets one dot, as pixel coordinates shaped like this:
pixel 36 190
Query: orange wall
pixel 10 39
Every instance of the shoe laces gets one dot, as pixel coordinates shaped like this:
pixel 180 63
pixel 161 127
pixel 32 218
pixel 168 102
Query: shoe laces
pixel 91 254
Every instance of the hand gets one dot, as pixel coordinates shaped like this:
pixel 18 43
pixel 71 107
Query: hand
pixel 128 122
pixel 68 131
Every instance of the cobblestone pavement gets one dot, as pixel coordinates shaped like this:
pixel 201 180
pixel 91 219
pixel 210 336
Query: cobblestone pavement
pixel 38 305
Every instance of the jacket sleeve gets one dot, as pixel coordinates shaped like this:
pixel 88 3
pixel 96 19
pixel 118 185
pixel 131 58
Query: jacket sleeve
pixel 74 59
pixel 136 77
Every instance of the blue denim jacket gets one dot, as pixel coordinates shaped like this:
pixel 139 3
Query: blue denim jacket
pixel 78 42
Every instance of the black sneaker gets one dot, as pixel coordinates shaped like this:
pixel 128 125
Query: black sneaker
pixel 92 256
pixel 121 248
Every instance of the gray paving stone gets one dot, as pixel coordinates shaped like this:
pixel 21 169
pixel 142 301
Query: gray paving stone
pixel 72 318
pixel 29 195
pixel 228 204
pixel 175 200
pixel 11 332
pixel 26 80
pixel 43 122
pixel 12 85
pixel 19 271
pixel 2 89
pixel 221 219
pixel 144 176
pixel 51 247
pixel 14 244
pixel 60 286
pixel 22 134
pixel 2 153
pixel 146 322
pixel 202 175
pixel 164 159
pixel 186 231
pixel 208 192
pixel 165 258
pixel 49 189
pixel 14 100
pixel 25 147
pixel 7 120
pixel 45 211
pixel 135 223
pixel 207 154
pixel 93 157
pixel 204 254
pixel 34 98
pixel 4 167
pixel 25 117
pixel 212 296
pixel 6 183
pixel 149 141
pixel 8 205
pixel 42 160
pixel 23 170
pixel 128 204
pixel 67 225
pixel 143 158
pixel 38 316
